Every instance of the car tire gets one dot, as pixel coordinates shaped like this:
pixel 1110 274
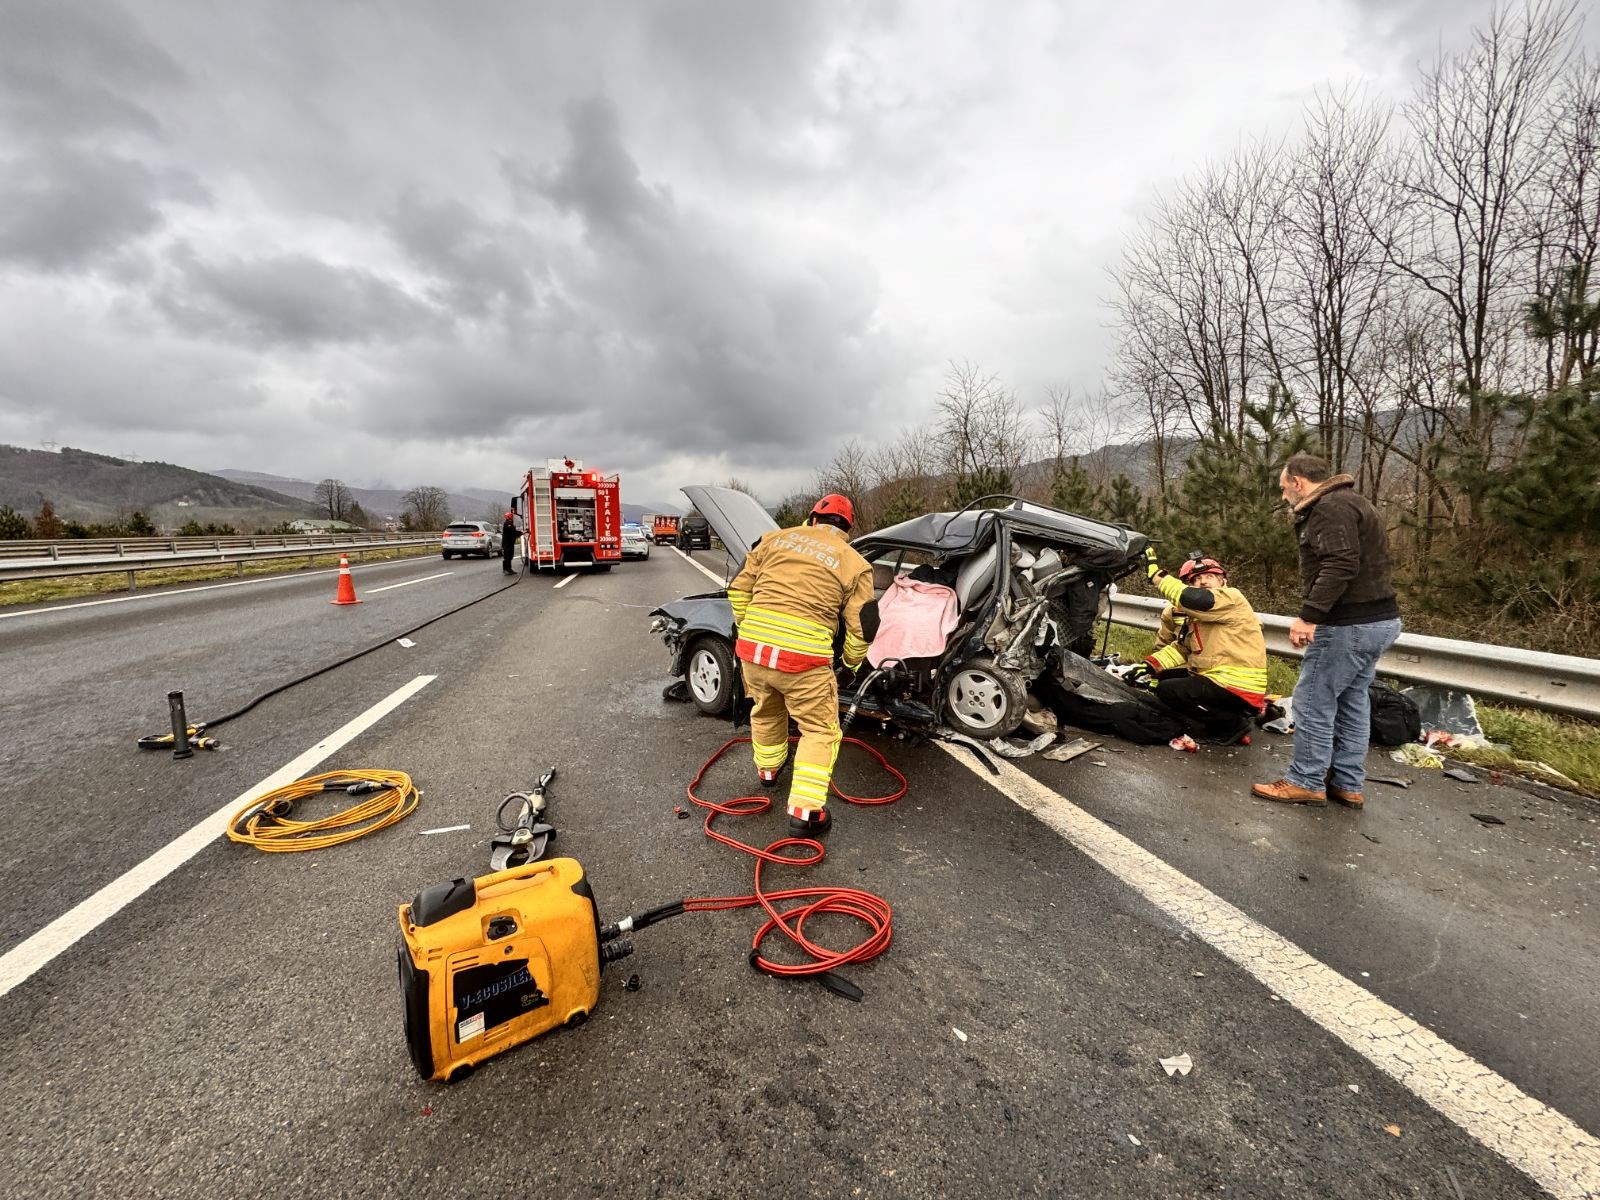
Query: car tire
pixel 445 554
pixel 984 701
pixel 711 671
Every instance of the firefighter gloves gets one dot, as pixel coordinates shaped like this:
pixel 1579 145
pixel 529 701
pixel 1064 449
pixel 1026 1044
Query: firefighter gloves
pixel 1152 567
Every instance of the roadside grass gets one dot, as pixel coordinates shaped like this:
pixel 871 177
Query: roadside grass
pixel 1569 745
pixel 77 587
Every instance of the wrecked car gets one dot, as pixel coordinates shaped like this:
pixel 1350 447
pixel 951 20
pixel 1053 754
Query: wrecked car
pixel 1029 583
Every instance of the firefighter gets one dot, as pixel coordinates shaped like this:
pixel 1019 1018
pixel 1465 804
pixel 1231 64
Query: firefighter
pixel 508 543
pixel 1210 660
pixel 796 588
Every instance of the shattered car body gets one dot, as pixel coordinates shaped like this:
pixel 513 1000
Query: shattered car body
pixel 1029 583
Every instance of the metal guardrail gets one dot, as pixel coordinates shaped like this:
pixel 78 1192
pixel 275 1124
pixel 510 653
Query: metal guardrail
pixel 1561 683
pixel 90 556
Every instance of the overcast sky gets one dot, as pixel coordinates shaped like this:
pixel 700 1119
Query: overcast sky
pixel 430 243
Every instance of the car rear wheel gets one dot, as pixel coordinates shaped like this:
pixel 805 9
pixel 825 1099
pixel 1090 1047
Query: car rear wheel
pixel 710 673
pixel 985 701
pixel 445 554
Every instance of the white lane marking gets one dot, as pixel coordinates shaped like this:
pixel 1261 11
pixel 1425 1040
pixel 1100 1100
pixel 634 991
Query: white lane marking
pixel 208 587
pixel 715 578
pixel 389 587
pixel 564 582
pixel 1548 1147
pixel 24 959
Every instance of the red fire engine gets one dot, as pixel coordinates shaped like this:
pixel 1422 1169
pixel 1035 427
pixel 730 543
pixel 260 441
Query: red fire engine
pixel 573 517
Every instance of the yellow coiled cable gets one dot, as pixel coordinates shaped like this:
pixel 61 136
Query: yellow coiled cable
pixel 264 823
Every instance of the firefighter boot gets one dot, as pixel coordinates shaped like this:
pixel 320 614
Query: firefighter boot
pixel 810 822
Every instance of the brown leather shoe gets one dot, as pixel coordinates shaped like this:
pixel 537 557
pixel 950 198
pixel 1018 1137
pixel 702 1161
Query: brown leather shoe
pixel 1348 799
pixel 1285 792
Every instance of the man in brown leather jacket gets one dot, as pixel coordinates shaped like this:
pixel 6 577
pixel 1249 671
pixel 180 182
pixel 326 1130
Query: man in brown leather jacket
pixel 1349 616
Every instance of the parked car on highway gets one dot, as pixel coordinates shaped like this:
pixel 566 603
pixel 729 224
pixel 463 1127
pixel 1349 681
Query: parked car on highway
pixel 694 533
pixel 470 537
pixel 634 542
pixel 1029 583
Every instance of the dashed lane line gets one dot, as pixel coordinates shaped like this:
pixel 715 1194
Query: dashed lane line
pixel 563 583
pixel 389 587
pixel 23 960
pixel 1548 1147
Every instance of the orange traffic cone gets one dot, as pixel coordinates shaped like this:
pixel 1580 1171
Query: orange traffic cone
pixel 347 587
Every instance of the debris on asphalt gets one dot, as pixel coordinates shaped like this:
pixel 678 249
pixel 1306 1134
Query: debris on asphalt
pixel 1006 748
pixel 1486 818
pixel 1391 780
pixel 1392 1130
pixel 1185 743
pixel 1545 773
pixel 1414 755
pixel 680 810
pixel 1068 751
pixel 633 984
pixel 1180 1064
pixel 958 1033
pixel 1354 1087
pixel 1444 710
pixel 676 691
pixel 442 829
pixel 1135 1140
pixel 1303 878
pixel 1285 722
pixel 1039 719
pixel 406 642
pixel 1370 838
pixel 1462 774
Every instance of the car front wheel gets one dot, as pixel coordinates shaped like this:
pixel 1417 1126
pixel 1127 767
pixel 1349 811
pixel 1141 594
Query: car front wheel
pixel 985 701
pixel 710 673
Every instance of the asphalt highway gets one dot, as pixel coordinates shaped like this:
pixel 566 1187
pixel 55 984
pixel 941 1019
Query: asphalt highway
pixel 235 1028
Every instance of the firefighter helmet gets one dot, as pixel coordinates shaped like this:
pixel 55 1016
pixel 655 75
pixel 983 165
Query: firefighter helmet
pixel 1199 564
pixel 835 505
pixel 511 516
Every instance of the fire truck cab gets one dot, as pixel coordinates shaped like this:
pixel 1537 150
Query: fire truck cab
pixel 572 517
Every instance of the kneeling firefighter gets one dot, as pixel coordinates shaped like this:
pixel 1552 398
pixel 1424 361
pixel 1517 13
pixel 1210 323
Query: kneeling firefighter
pixel 1210 660
pixel 796 588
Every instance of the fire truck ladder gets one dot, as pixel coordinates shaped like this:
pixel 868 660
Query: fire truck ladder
pixel 543 529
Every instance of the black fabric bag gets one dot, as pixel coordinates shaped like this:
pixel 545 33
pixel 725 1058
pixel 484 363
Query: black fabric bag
pixel 1135 721
pixel 1395 718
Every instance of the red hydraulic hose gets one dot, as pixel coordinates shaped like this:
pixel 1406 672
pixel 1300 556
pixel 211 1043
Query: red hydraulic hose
pixel 871 910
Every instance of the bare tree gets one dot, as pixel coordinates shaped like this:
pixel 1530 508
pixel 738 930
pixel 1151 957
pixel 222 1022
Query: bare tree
pixel 982 424
pixel 1479 144
pixel 426 508
pixel 333 497
pixel 850 474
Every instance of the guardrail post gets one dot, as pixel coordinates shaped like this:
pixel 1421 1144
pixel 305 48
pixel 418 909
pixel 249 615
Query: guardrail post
pixel 130 581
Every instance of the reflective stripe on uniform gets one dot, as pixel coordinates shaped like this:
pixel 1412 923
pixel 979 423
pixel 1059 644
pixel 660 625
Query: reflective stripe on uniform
pixel 810 786
pixel 786 632
pixel 770 757
pixel 854 651
pixel 1251 681
pixel 1167 658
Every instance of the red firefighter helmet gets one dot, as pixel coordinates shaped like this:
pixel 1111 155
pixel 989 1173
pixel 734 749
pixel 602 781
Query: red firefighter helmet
pixel 511 516
pixel 835 505
pixel 1200 564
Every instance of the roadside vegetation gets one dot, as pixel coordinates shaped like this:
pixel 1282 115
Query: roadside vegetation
pixel 77 587
pixel 1570 746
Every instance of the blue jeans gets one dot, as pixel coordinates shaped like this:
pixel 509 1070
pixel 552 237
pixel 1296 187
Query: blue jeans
pixel 1332 721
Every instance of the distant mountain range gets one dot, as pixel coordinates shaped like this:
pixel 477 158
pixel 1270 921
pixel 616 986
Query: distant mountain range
pixel 94 488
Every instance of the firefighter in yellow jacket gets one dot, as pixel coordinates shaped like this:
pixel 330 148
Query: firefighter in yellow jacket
pixel 796 588
pixel 1210 660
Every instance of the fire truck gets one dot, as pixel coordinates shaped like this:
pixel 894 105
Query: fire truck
pixel 573 517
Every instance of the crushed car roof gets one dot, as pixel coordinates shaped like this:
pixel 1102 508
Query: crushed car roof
pixel 955 532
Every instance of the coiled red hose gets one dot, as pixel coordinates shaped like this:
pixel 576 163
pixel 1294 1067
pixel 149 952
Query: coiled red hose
pixel 871 910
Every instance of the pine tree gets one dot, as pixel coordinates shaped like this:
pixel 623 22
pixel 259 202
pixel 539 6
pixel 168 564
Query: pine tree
pixel 1074 492
pixel 985 481
pixel 13 525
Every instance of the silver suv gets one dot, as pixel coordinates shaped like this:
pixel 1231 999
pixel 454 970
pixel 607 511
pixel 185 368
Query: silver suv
pixel 470 537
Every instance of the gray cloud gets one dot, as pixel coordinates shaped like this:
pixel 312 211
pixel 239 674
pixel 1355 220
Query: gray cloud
pixel 69 209
pixel 288 299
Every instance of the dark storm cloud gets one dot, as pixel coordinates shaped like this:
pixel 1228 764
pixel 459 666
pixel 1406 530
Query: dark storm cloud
pixel 74 69
pixel 288 299
pixel 65 210
pixel 476 263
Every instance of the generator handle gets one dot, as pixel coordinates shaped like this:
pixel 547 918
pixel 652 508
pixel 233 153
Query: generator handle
pixel 490 886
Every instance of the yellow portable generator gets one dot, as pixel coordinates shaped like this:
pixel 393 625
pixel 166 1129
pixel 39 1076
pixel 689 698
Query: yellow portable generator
pixel 488 963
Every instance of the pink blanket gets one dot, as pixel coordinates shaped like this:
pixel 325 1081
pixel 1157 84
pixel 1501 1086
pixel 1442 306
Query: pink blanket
pixel 913 621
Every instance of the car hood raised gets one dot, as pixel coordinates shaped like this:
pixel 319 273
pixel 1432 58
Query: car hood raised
pixel 738 518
